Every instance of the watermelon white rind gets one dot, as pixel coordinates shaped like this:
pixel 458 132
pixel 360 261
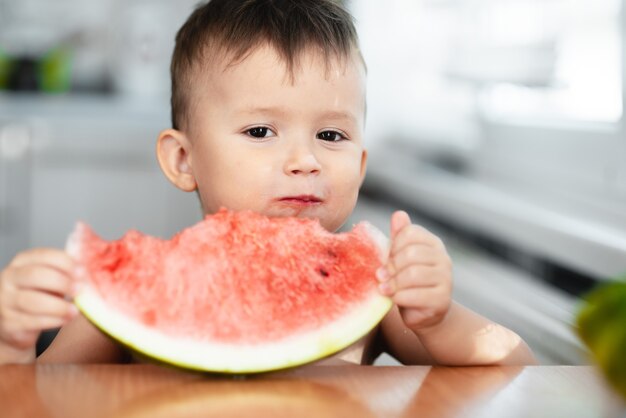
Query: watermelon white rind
pixel 334 293
pixel 234 358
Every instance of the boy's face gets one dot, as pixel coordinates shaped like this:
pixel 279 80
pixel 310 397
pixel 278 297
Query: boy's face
pixel 259 140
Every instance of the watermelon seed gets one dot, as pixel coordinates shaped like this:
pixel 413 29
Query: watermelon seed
pixel 323 272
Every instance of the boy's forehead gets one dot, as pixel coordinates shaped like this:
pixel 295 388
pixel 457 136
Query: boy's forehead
pixel 262 79
pixel 309 60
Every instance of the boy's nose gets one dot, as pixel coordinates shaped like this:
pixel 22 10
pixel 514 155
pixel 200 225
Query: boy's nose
pixel 302 161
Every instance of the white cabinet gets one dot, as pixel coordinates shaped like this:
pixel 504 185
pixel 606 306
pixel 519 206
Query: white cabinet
pixel 15 175
pixel 87 159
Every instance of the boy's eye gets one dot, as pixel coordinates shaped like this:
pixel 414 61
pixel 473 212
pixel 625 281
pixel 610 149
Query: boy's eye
pixel 331 136
pixel 260 132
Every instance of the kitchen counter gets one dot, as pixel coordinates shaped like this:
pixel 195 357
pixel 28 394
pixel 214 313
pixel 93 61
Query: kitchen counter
pixel 360 391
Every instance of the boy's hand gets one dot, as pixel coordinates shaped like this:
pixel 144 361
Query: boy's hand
pixel 34 295
pixel 418 274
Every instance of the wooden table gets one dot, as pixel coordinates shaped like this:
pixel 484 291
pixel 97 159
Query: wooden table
pixel 316 391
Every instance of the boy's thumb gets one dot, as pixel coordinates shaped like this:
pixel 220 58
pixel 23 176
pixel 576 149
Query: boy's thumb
pixel 399 220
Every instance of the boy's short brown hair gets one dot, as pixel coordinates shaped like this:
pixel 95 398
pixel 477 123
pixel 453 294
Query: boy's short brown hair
pixel 230 29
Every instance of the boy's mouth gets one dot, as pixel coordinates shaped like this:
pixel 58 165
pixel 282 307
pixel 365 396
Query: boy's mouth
pixel 301 200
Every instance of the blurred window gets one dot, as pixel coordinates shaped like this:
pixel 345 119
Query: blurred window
pixel 545 60
pixel 527 61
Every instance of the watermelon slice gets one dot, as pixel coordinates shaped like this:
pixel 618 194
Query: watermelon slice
pixel 236 293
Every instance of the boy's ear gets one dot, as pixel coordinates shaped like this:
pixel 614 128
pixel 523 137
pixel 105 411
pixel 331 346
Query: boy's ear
pixel 363 165
pixel 174 155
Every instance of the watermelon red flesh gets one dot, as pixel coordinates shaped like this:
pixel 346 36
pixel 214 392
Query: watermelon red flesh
pixel 233 278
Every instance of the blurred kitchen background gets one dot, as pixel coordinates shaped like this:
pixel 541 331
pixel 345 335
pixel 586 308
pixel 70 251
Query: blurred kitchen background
pixel 498 124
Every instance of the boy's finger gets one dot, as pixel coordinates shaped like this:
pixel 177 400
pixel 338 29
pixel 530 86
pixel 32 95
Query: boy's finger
pixel 387 288
pixel 399 220
pixel 44 278
pixel 41 323
pixel 413 317
pixel 415 235
pixel 417 277
pixel 415 255
pixel 417 298
pixel 52 257
pixel 24 338
pixel 35 303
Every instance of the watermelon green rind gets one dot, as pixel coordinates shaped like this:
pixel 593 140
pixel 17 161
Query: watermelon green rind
pixel 231 358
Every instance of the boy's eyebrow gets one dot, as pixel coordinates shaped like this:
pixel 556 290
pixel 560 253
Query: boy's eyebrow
pixel 264 110
pixel 340 115
pixel 329 114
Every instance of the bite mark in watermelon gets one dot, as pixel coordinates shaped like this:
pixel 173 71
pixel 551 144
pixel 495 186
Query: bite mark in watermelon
pixel 238 292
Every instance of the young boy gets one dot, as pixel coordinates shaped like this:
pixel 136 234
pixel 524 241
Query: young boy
pixel 268 112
